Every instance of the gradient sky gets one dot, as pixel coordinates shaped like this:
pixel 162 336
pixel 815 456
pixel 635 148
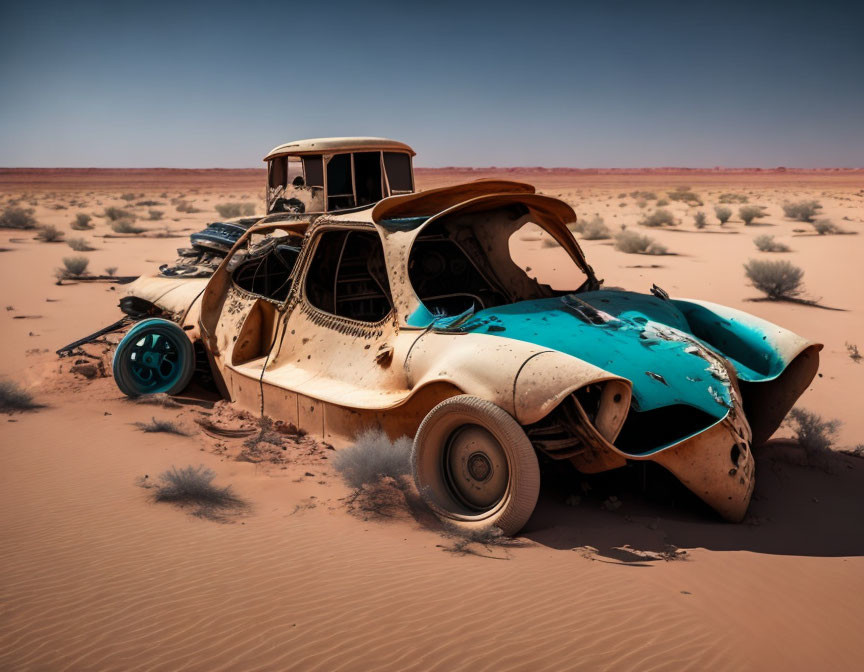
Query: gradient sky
pixel 583 84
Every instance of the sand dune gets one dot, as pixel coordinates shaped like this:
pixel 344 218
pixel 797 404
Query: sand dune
pixel 93 575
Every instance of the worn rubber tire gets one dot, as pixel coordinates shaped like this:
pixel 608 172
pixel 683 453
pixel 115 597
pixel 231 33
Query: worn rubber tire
pixel 432 447
pixel 182 358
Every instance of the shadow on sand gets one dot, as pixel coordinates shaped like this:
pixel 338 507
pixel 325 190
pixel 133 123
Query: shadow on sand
pixel 796 510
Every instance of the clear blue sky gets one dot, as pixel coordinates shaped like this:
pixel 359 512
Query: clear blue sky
pixel 584 84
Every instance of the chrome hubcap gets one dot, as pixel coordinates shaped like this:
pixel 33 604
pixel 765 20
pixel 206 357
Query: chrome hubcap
pixel 476 468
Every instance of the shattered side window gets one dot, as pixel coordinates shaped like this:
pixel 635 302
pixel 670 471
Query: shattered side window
pixel 398 167
pixel 313 168
pixel 340 185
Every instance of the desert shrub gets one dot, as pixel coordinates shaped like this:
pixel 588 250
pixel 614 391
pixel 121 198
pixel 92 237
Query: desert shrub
pixel 193 486
pixel 622 195
pixel 80 245
pixel 813 434
pixel 128 197
pixel 802 211
pixel 13 398
pixel 49 234
pixel 75 266
pixel 825 227
pixel 632 242
pixel 854 355
pixel 186 206
pixel 732 198
pixel 82 222
pixel 161 427
pixel 155 215
pixel 116 214
pixel 700 220
pixel 684 195
pixel 372 457
pixel 158 399
pixel 149 204
pixel 111 270
pixel 659 217
pixel 662 202
pixel 126 226
pixel 722 213
pixel 17 218
pixel 229 210
pixel 643 195
pixel 748 213
pixel 768 244
pixel 778 279
pixel 596 230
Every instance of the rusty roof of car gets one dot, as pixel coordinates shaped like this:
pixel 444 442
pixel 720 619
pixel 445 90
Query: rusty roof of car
pixel 329 145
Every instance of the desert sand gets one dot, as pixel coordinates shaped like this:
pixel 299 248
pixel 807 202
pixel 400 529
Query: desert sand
pixel 93 575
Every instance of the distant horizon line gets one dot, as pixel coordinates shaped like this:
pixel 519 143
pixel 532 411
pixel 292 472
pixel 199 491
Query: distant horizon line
pixel 544 169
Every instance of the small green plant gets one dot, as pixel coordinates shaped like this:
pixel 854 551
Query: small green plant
pixel 155 215
pixel 779 280
pixel 49 234
pixel 80 245
pixel 632 242
pixel 700 220
pixel 659 217
pixel 802 211
pixel 13 398
pixel 596 229
pixel 230 210
pixel 126 226
pixel 17 218
pixel 722 213
pixel 82 222
pixel 768 244
pixel 748 213
pixel 826 227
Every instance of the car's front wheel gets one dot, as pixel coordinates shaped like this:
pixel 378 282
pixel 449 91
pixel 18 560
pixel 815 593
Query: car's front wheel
pixel 475 467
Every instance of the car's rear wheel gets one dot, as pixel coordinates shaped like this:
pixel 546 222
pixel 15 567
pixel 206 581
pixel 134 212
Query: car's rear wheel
pixel 155 356
pixel 475 467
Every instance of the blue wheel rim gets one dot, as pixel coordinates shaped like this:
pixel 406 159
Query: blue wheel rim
pixel 154 362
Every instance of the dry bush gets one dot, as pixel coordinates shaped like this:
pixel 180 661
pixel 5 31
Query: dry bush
pixel 127 197
pixel 155 215
pixel 814 435
pixel 684 195
pixel 230 210
pixel 470 542
pixel 117 214
pixel 80 245
pixel 700 220
pixel 193 486
pixel 149 204
pixel 826 227
pixel 82 222
pixel 158 399
pixel 768 244
pixel 643 195
pixel 17 218
pixel 802 211
pixel 662 202
pixel 186 206
pixel 111 270
pixel 748 213
pixel 126 226
pixel 631 242
pixel 373 457
pixel 161 427
pixel 854 355
pixel 596 229
pixel 659 217
pixel 722 213
pixel 74 267
pixel 732 198
pixel 777 279
pixel 49 234
pixel 13 398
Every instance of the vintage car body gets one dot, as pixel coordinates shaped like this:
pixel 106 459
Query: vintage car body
pixel 411 316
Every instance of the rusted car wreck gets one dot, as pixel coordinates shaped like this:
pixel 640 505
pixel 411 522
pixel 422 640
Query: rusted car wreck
pixel 410 315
